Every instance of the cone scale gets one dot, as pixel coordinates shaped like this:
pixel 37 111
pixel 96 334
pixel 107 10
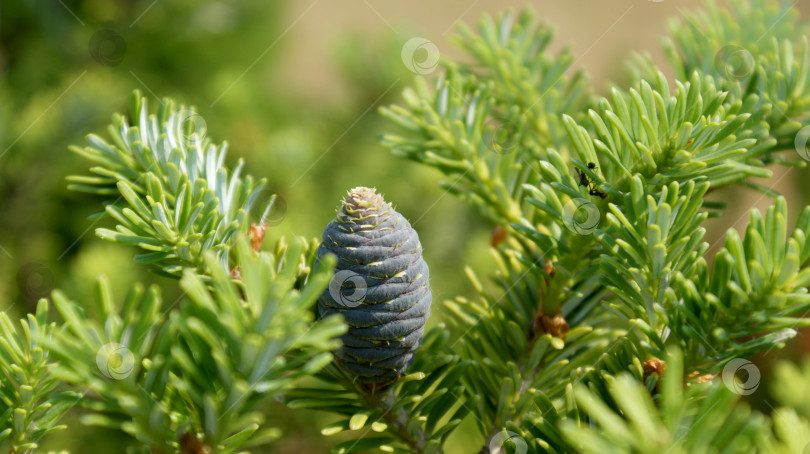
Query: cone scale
pixel 381 287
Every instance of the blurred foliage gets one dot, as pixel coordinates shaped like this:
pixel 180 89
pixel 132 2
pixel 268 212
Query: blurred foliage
pixel 67 66
pixel 632 208
pixel 307 151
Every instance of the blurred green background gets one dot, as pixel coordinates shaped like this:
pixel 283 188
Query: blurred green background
pixel 294 87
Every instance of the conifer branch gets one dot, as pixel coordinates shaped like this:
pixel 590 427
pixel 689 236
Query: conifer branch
pixel 31 400
pixel 176 199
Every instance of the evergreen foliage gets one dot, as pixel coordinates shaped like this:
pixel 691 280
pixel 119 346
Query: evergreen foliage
pixel 175 197
pixel 608 325
pixel 30 402
pixel 199 374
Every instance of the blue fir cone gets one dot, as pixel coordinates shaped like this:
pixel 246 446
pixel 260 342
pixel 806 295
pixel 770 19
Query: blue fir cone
pixel 380 287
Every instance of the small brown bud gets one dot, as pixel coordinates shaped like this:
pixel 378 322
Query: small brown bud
pixel 701 378
pixel 498 235
pixel 189 444
pixel 256 234
pixel 554 325
pixel 654 365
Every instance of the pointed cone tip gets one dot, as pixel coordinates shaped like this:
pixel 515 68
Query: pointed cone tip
pixel 363 197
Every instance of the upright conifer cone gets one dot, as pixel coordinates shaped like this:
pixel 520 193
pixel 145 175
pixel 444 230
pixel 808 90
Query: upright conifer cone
pixel 380 287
